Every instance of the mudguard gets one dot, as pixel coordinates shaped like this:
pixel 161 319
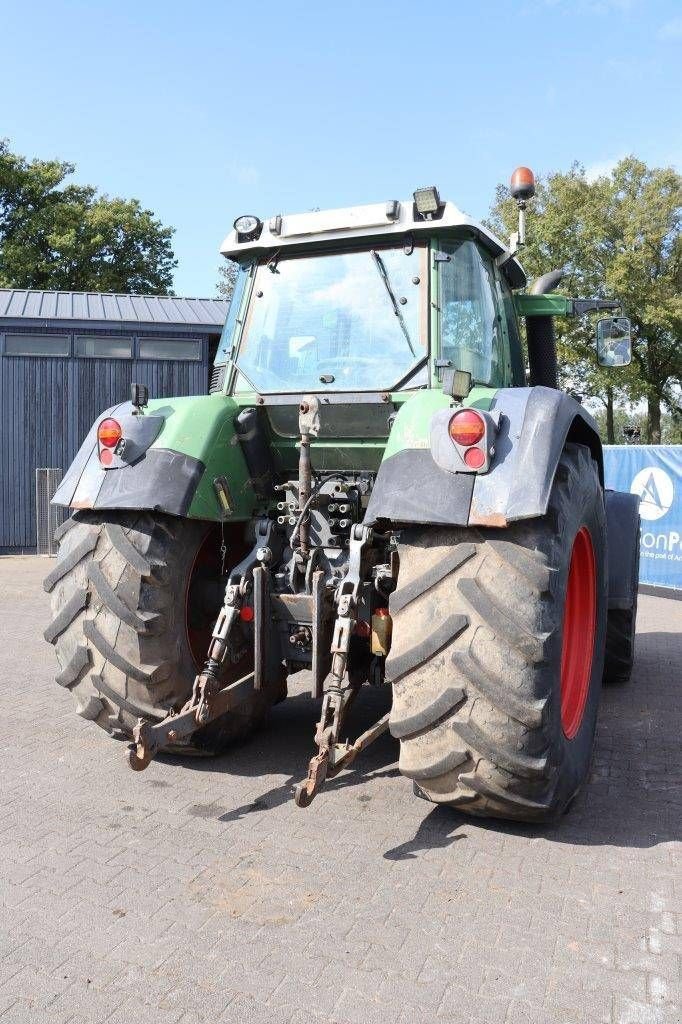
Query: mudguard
pixel 534 425
pixel 622 531
pixel 173 453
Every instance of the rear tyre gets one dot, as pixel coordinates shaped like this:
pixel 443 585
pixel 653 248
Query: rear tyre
pixel 498 654
pixel 620 634
pixel 134 597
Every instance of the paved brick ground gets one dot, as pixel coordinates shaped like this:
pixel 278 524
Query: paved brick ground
pixel 198 891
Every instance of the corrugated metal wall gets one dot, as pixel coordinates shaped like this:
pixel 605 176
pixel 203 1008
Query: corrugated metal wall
pixel 48 405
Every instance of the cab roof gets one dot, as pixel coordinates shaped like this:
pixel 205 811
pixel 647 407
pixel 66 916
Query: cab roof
pixel 376 221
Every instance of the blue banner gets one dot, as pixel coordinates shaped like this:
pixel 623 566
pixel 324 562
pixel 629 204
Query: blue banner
pixel 654 472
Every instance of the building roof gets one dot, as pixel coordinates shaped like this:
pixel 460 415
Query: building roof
pixel 28 307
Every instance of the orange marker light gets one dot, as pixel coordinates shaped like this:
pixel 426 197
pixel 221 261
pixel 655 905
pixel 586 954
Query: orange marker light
pixel 382 629
pixel 466 428
pixel 109 433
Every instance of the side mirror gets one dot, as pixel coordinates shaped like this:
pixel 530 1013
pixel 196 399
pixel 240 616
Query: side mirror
pixel 614 341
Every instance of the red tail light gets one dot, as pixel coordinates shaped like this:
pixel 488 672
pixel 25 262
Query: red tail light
pixel 109 433
pixel 474 458
pixel 466 427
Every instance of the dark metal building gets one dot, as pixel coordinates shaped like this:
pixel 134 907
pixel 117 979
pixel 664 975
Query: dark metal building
pixel 66 356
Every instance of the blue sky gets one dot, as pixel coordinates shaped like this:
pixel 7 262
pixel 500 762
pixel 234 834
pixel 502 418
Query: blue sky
pixel 207 110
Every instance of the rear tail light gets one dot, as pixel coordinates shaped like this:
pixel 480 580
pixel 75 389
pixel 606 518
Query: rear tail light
pixel 475 458
pixel 109 433
pixel 467 428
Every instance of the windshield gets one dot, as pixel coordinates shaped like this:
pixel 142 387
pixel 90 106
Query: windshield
pixel 342 322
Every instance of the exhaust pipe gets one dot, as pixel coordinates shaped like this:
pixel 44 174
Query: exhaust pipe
pixel 540 336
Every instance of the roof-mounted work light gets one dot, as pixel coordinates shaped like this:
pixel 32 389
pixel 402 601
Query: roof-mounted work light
pixel 427 203
pixel 248 227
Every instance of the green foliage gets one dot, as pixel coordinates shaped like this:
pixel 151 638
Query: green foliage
pixel 624 419
pixel 616 237
pixel 635 423
pixel 58 235
pixel 671 429
pixel 227 278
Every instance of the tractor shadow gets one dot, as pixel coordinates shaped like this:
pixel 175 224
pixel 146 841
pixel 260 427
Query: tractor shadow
pixel 285 745
pixel 633 796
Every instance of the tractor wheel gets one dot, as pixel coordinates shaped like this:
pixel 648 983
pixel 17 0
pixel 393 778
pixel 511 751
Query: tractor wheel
pixel 134 599
pixel 498 653
pixel 620 635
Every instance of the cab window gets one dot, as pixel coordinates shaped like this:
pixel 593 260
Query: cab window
pixel 511 323
pixel 470 330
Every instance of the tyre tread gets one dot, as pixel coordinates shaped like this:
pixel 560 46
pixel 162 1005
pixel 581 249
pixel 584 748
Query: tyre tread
pixel 69 563
pixel 426 648
pixel 489 753
pixel 118 624
pixel 67 613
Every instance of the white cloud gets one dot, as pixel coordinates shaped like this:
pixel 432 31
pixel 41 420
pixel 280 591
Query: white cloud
pixel 671 29
pixel 601 169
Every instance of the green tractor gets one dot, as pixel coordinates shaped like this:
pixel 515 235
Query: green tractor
pixel 375 492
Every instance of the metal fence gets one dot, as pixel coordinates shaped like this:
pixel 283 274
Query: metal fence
pixel 48 517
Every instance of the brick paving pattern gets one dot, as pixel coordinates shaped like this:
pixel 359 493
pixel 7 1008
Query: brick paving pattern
pixel 197 891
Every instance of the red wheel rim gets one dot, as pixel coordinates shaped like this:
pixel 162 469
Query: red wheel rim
pixel 580 616
pixel 200 627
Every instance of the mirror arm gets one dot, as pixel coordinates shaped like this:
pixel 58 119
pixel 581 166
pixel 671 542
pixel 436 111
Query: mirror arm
pixel 581 306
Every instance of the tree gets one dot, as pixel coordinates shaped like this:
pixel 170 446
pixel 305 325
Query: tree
pixel 58 235
pixel 618 236
pixel 227 278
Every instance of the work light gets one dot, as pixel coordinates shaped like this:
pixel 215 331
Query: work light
pixel 247 227
pixel 427 202
pixel 139 395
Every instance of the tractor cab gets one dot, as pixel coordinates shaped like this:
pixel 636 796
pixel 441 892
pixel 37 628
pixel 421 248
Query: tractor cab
pixel 371 298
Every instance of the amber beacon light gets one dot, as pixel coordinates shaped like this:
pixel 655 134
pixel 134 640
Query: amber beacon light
pixel 522 184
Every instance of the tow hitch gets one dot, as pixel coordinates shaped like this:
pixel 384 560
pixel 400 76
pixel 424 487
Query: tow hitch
pixel 208 701
pixel 332 755
pixel 250 582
